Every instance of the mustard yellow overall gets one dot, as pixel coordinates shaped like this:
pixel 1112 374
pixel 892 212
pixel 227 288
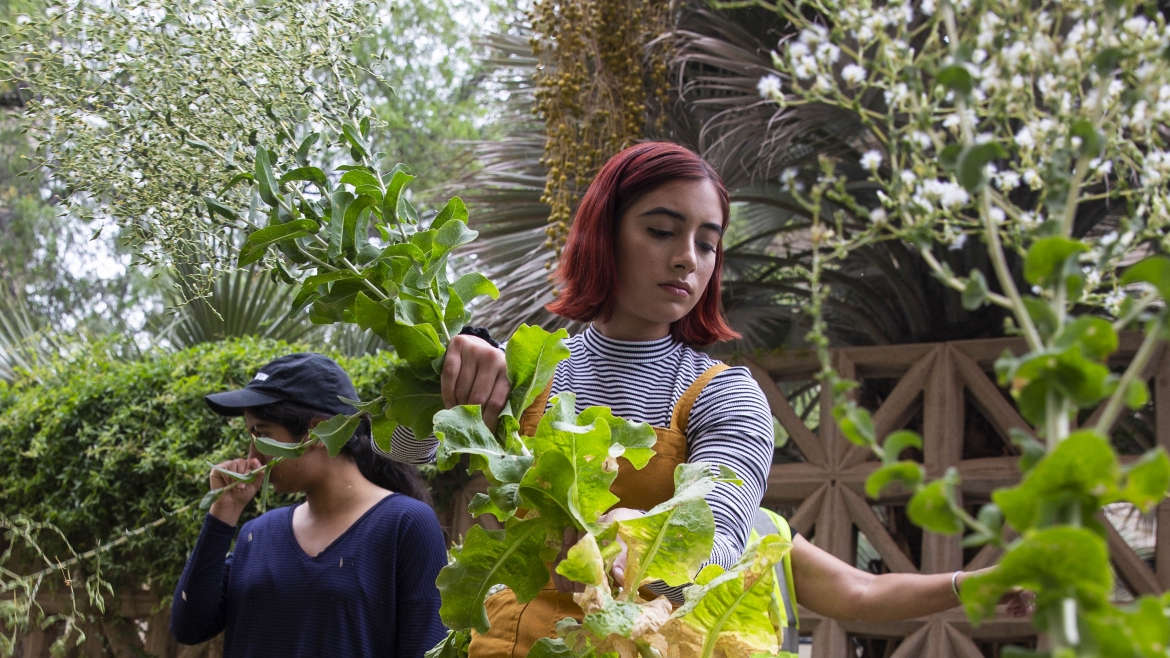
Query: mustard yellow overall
pixel 517 626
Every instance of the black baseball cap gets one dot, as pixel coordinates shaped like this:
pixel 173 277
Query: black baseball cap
pixel 308 379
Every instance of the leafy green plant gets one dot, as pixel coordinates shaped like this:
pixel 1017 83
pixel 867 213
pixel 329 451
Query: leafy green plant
pixel 1015 124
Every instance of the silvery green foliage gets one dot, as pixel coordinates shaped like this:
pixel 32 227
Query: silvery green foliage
pixel 142 106
pixel 1005 122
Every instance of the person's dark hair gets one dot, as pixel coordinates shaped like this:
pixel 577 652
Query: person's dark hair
pixel 386 473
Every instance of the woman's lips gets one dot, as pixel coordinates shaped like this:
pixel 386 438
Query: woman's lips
pixel 673 289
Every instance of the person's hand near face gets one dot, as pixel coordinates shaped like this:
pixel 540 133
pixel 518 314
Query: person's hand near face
pixel 232 502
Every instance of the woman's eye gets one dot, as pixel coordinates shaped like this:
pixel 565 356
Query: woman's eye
pixel 706 247
pixel 659 233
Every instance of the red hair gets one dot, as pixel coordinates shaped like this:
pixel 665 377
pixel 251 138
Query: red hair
pixel 587 272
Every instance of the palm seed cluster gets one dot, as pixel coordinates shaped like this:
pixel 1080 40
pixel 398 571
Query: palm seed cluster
pixel 600 85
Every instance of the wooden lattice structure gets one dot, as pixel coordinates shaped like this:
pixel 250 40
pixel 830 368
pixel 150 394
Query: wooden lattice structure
pixel 947 392
pixel 944 390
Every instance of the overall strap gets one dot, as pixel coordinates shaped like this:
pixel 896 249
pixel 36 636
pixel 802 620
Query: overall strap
pixel 682 408
pixel 768 522
pixel 530 418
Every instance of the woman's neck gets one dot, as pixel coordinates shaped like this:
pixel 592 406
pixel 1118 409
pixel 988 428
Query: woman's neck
pixel 340 490
pixel 623 326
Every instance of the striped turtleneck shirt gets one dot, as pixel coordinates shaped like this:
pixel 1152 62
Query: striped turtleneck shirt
pixel 730 423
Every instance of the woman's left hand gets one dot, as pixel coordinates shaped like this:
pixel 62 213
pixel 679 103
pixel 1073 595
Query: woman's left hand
pixel 619 563
pixel 1019 602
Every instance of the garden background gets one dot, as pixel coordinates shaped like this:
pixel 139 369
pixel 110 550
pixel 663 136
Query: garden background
pixel 108 343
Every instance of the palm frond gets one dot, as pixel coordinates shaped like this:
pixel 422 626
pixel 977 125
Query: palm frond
pixel 25 344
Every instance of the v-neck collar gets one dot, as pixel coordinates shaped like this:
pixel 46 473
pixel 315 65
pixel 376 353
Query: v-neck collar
pixel 292 536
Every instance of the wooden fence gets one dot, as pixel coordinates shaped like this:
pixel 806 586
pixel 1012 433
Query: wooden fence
pixel 944 390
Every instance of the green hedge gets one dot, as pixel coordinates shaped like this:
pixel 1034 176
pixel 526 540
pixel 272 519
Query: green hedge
pixel 102 446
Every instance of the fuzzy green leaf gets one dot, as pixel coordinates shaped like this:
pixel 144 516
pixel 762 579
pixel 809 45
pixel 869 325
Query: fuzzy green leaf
pixel 670 541
pixel 514 557
pixel 532 355
pixel 931 509
pixel 1046 259
pixel 454 210
pixel 1154 270
pixel 336 432
pixel 1083 467
pixel 584 563
pixel 274 448
pixel 975 292
pixel 257 242
pixel 636 439
pixel 411 401
pixel 732 610
pixel 269 188
pixel 910 474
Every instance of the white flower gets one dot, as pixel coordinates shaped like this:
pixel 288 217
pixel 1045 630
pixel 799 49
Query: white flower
pixel 1017 82
pixel 769 86
pixel 959 241
pixel 1136 25
pixel 898 94
pixel 997 215
pixel 1108 239
pixel 853 74
pixel 877 216
pixel 797 50
pixel 789 182
pixel 1102 167
pixel 864 34
pixel 1113 301
pixel 927 7
pixel 1008 181
pixel 806 68
pixel 921 138
pixel 954 196
pixel 828 53
pixel 1033 179
pixel 908 177
pixel 1092 277
pixel 823 84
pixel 871 160
pixel 814 34
pixel 1024 139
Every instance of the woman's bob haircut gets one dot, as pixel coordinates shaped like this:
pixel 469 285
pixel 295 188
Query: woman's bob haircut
pixel 587 272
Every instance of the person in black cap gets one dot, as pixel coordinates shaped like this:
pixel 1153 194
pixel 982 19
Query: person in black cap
pixel 350 572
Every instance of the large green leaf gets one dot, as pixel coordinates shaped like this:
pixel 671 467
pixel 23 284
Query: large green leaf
pixel 533 354
pixel 336 432
pixel 1080 470
pixel 514 557
pixel 731 613
pixel 673 539
pixel 269 188
pixel 590 468
pixel 461 431
pixel 1055 562
pixel 635 438
pixel 257 242
pixel 1046 258
pixel 584 563
pixel 1154 270
pixel 411 401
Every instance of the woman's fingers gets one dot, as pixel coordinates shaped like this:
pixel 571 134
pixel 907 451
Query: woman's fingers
pixel 496 401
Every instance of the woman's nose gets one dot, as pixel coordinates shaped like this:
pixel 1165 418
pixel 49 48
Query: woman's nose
pixel 684 259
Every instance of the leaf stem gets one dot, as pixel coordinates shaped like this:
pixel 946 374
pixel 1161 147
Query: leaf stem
pixel 1136 366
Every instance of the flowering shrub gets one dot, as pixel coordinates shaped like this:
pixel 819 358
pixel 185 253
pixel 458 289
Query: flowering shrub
pixel 1014 124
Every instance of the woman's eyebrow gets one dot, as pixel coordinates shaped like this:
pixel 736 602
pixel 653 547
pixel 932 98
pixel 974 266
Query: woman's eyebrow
pixel 669 212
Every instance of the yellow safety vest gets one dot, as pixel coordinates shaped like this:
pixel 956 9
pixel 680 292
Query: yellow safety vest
pixel 768 522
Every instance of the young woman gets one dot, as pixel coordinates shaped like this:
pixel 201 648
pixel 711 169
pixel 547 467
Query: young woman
pixel 349 572
pixel 642 264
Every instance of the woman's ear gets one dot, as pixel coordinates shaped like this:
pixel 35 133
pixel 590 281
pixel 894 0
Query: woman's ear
pixel 315 422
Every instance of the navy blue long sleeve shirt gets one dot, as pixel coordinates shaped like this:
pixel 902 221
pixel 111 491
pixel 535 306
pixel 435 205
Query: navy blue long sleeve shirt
pixel 369 593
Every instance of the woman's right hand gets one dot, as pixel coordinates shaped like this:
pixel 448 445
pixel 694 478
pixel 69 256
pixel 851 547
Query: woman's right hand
pixel 231 504
pixel 474 372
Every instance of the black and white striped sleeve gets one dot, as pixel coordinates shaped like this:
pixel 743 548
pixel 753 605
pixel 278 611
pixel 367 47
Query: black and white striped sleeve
pixel 731 425
pixel 405 448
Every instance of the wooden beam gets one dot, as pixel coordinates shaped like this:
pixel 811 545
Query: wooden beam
pixel 830 641
pixel 834 532
pixel 1162 432
pixel 961 645
pixel 806 515
pixel 914 645
pixel 898 408
pixel 982 476
pixel 1132 569
pixel 789 484
pixel 862 514
pixel 987 397
pixel 809 444
pixel 942 416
